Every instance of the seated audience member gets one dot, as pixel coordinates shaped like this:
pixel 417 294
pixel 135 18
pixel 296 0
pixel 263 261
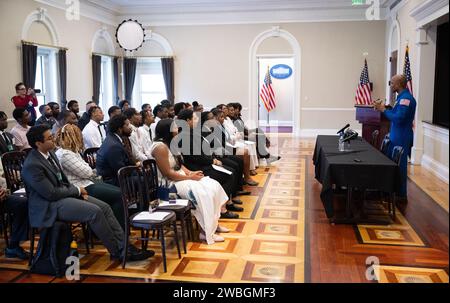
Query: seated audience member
pixel 84 120
pixel 19 132
pixel 55 109
pixel 146 107
pixel 46 116
pixel 237 138
pixel 178 107
pixel 208 196
pixel 26 99
pixel 220 140
pixel 53 198
pixel 144 130
pixel 136 139
pixel 113 155
pixel 70 142
pixel 188 106
pixel 17 205
pixel 159 112
pixel 197 107
pixel 65 117
pixel 94 133
pixel 197 156
pixel 165 103
pixel 171 111
pixel 7 143
pixel 74 107
pixel 236 162
pixel 14 204
pixel 124 105
pixel 114 111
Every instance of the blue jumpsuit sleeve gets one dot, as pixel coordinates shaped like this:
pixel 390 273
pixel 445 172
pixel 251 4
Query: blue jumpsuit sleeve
pixel 399 115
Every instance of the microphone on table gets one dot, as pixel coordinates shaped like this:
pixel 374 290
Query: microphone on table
pixel 342 129
pixel 350 134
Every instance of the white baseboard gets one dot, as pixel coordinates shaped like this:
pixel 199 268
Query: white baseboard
pixel 437 168
pixel 314 132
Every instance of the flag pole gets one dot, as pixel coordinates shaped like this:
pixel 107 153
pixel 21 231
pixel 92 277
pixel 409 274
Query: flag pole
pixel 268 112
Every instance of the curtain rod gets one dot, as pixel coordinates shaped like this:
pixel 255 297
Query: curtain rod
pixel 43 45
pixel 105 55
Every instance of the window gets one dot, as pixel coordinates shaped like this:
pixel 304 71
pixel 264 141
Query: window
pixel 149 83
pixel 106 84
pixel 46 76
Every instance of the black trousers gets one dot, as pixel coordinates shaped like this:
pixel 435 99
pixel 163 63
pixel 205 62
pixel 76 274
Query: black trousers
pixel 237 163
pixel 17 206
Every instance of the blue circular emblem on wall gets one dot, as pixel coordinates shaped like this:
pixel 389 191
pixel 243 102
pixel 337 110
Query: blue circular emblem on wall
pixel 281 71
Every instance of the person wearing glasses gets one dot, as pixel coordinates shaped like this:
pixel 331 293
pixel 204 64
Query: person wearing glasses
pixel 26 98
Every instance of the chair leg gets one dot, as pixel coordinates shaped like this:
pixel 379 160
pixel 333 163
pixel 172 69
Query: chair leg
pixel 125 247
pixel 183 232
pixel 163 247
pixel 86 237
pixel 5 228
pixel 32 232
pixel 147 234
pixel 176 238
pixel 142 239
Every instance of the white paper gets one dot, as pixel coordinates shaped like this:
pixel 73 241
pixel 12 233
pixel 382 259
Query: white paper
pixel 181 202
pixel 221 169
pixel 145 215
pixel 20 191
pixel 249 142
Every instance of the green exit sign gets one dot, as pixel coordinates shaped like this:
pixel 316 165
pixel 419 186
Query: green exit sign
pixel 358 2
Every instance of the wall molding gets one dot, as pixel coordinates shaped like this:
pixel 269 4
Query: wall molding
pixel 435 132
pixel 350 109
pixel 103 33
pixel 437 168
pixel 40 15
pixel 278 123
pixel 314 132
pixel 429 11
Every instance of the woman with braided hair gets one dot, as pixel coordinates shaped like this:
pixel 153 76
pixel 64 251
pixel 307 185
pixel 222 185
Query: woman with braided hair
pixel 69 139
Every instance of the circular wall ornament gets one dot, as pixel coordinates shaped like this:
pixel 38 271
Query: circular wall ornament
pixel 130 35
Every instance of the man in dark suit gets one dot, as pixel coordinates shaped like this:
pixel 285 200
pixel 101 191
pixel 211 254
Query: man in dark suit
pixel 85 118
pixel 6 139
pixel 46 116
pixel 112 154
pixel 52 197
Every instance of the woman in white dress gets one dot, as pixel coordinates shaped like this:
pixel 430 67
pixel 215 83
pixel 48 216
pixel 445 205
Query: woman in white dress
pixel 207 194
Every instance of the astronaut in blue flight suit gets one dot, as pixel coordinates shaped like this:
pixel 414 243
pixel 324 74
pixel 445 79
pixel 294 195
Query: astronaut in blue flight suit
pixel 401 117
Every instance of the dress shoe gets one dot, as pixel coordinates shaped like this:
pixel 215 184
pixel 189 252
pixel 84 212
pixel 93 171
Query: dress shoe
pixel 262 162
pixel 251 183
pixel 229 215
pixel 135 254
pixel 232 207
pixel 243 193
pixel 253 173
pixel 222 229
pixel 17 252
pixel 237 201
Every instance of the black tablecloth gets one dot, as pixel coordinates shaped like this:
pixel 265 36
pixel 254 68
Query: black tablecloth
pixel 374 171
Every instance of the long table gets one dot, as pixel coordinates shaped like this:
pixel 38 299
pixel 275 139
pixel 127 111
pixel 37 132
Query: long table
pixel 359 166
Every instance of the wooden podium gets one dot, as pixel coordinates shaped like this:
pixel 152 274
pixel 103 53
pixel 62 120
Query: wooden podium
pixel 372 120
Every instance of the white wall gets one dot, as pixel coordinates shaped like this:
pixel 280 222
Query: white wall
pixel 283 90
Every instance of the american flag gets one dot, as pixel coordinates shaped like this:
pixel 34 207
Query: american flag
pixel 267 95
pixel 407 71
pixel 363 95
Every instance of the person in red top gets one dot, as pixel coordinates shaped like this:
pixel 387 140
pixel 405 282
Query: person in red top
pixel 26 99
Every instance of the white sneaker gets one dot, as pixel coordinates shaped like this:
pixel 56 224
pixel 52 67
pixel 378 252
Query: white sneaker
pixel 215 237
pixel 222 229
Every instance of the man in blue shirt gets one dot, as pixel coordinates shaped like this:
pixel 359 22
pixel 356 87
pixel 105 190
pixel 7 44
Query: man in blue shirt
pixel 401 117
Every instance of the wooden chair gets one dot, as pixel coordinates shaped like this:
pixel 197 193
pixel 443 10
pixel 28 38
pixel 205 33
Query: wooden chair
pixel 131 185
pixel 12 165
pixel 90 156
pixel 183 213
